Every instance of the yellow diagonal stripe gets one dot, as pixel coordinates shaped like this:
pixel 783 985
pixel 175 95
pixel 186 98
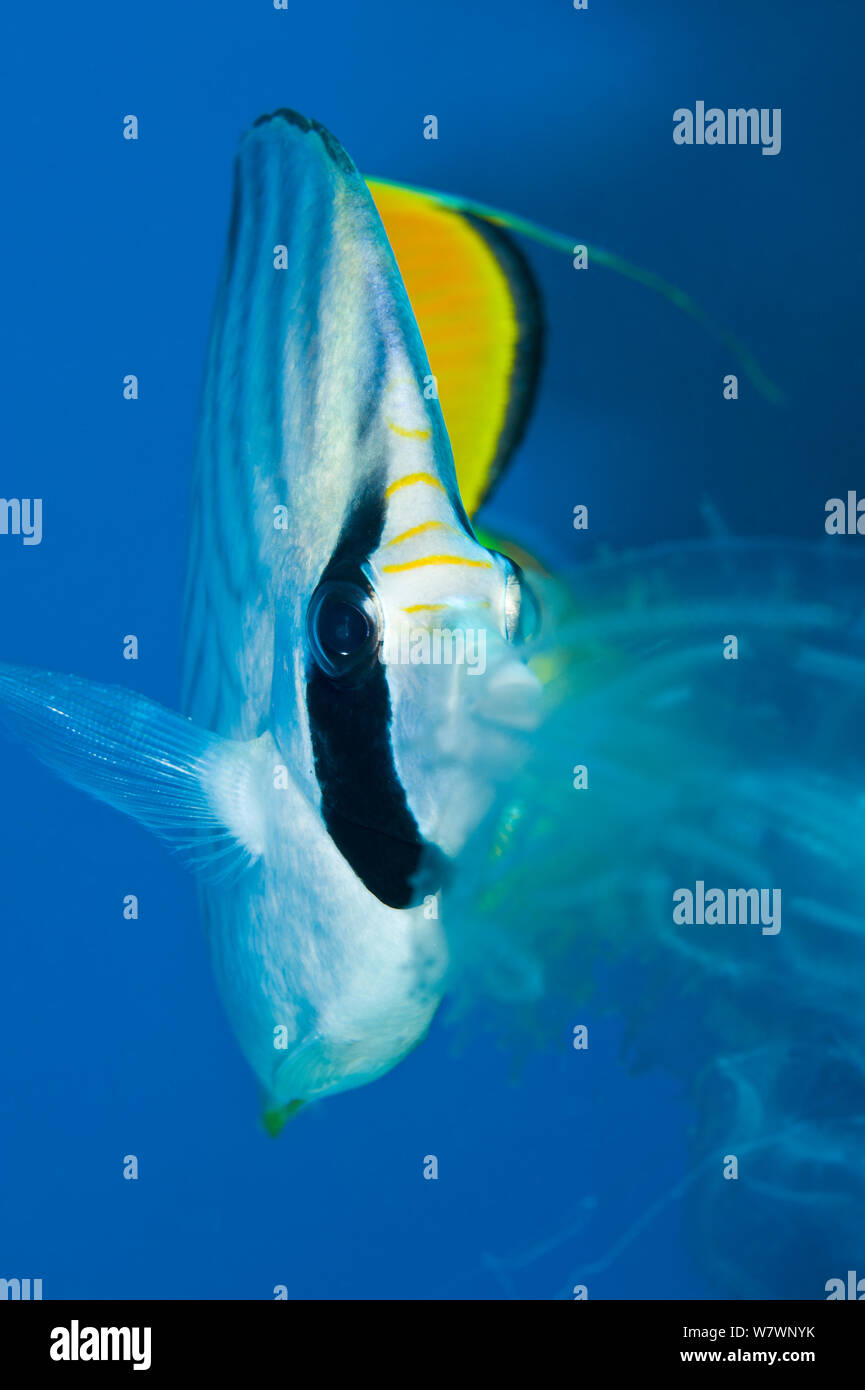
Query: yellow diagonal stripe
pixel 419 530
pixel 408 434
pixel 413 478
pixel 437 560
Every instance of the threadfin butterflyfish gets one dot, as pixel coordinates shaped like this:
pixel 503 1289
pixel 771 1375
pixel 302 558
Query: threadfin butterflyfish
pixel 412 764
pixel 355 681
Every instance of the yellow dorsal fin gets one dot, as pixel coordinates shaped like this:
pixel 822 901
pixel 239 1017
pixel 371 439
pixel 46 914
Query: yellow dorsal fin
pixel 479 315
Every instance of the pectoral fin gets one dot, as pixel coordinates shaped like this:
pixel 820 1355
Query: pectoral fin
pixel 194 789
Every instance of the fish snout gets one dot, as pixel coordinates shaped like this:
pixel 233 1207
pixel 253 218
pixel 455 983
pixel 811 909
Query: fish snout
pixel 511 696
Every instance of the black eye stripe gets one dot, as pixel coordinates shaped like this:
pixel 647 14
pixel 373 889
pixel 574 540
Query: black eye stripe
pixel 363 802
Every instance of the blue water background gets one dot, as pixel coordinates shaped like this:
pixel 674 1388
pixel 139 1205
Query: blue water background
pixel 113 1039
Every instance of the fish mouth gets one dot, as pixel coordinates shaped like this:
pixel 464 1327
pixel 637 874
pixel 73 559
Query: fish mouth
pixel 400 873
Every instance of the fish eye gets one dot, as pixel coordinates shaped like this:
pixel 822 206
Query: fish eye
pixel 344 629
pixel 522 614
